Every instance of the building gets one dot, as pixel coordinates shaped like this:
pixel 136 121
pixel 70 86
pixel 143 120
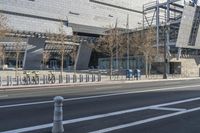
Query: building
pixel 34 21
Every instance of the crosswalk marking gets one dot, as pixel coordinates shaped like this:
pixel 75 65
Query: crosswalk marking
pixel 27 129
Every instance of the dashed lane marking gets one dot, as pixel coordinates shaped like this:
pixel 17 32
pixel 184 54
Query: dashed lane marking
pixel 167 109
pixel 100 96
pixel 2 96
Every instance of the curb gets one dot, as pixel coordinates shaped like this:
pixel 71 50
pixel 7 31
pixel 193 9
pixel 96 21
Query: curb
pixel 107 82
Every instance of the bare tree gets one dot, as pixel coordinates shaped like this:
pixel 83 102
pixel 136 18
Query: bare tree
pixel 110 45
pixel 74 50
pixel 59 44
pixel 3 25
pixel 46 56
pixel 3 30
pixel 143 44
pixel 2 54
pixel 18 48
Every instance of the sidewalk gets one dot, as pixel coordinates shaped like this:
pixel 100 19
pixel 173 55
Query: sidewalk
pixel 105 81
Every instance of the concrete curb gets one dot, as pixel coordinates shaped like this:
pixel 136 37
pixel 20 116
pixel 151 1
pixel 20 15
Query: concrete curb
pixel 107 82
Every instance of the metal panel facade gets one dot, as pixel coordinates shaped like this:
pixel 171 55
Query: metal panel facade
pixel 81 12
pixel 186 26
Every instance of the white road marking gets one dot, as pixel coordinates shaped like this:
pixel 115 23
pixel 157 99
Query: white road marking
pixel 99 96
pixel 110 87
pixel 105 115
pixel 167 109
pixel 145 121
pixel 2 96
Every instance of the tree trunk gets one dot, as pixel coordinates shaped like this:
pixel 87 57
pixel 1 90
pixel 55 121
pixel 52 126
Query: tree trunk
pixel 61 69
pixel 146 66
pixel 74 58
pixel 3 61
pixel 16 66
pixel 149 71
pixel 111 68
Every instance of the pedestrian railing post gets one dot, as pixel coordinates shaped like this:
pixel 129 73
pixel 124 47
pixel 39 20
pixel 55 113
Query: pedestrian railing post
pixel 58 115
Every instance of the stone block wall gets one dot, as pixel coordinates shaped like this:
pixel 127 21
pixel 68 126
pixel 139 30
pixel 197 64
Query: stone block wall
pixel 190 66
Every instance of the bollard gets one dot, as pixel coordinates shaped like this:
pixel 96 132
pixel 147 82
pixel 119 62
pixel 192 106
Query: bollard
pixel 11 80
pixel 39 80
pixel 99 77
pixel 8 80
pixel 93 78
pixel 67 78
pixel 20 80
pixel 47 79
pixel 80 78
pixel 17 78
pixel 0 81
pixel 74 78
pixel 87 78
pixel 60 79
pixel 58 115
pixel 44 79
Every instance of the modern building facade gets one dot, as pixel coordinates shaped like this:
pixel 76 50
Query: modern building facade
pixel 34 21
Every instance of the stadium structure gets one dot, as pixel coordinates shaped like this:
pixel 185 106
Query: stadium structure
pixel 35 21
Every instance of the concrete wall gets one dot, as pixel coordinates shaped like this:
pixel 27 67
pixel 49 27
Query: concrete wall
pixel 81 12
pixel 190 66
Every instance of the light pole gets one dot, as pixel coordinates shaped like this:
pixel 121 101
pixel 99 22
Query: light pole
pixel 166 43
pixel 167 30
pixel 128 44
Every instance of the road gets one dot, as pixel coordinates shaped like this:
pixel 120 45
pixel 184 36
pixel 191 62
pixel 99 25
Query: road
pixel 150 107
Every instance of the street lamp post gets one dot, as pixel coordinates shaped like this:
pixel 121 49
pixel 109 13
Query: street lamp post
pixel 166 43
pixel 167 30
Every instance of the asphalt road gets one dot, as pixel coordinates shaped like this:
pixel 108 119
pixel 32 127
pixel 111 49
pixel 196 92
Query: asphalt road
pixel 151 107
